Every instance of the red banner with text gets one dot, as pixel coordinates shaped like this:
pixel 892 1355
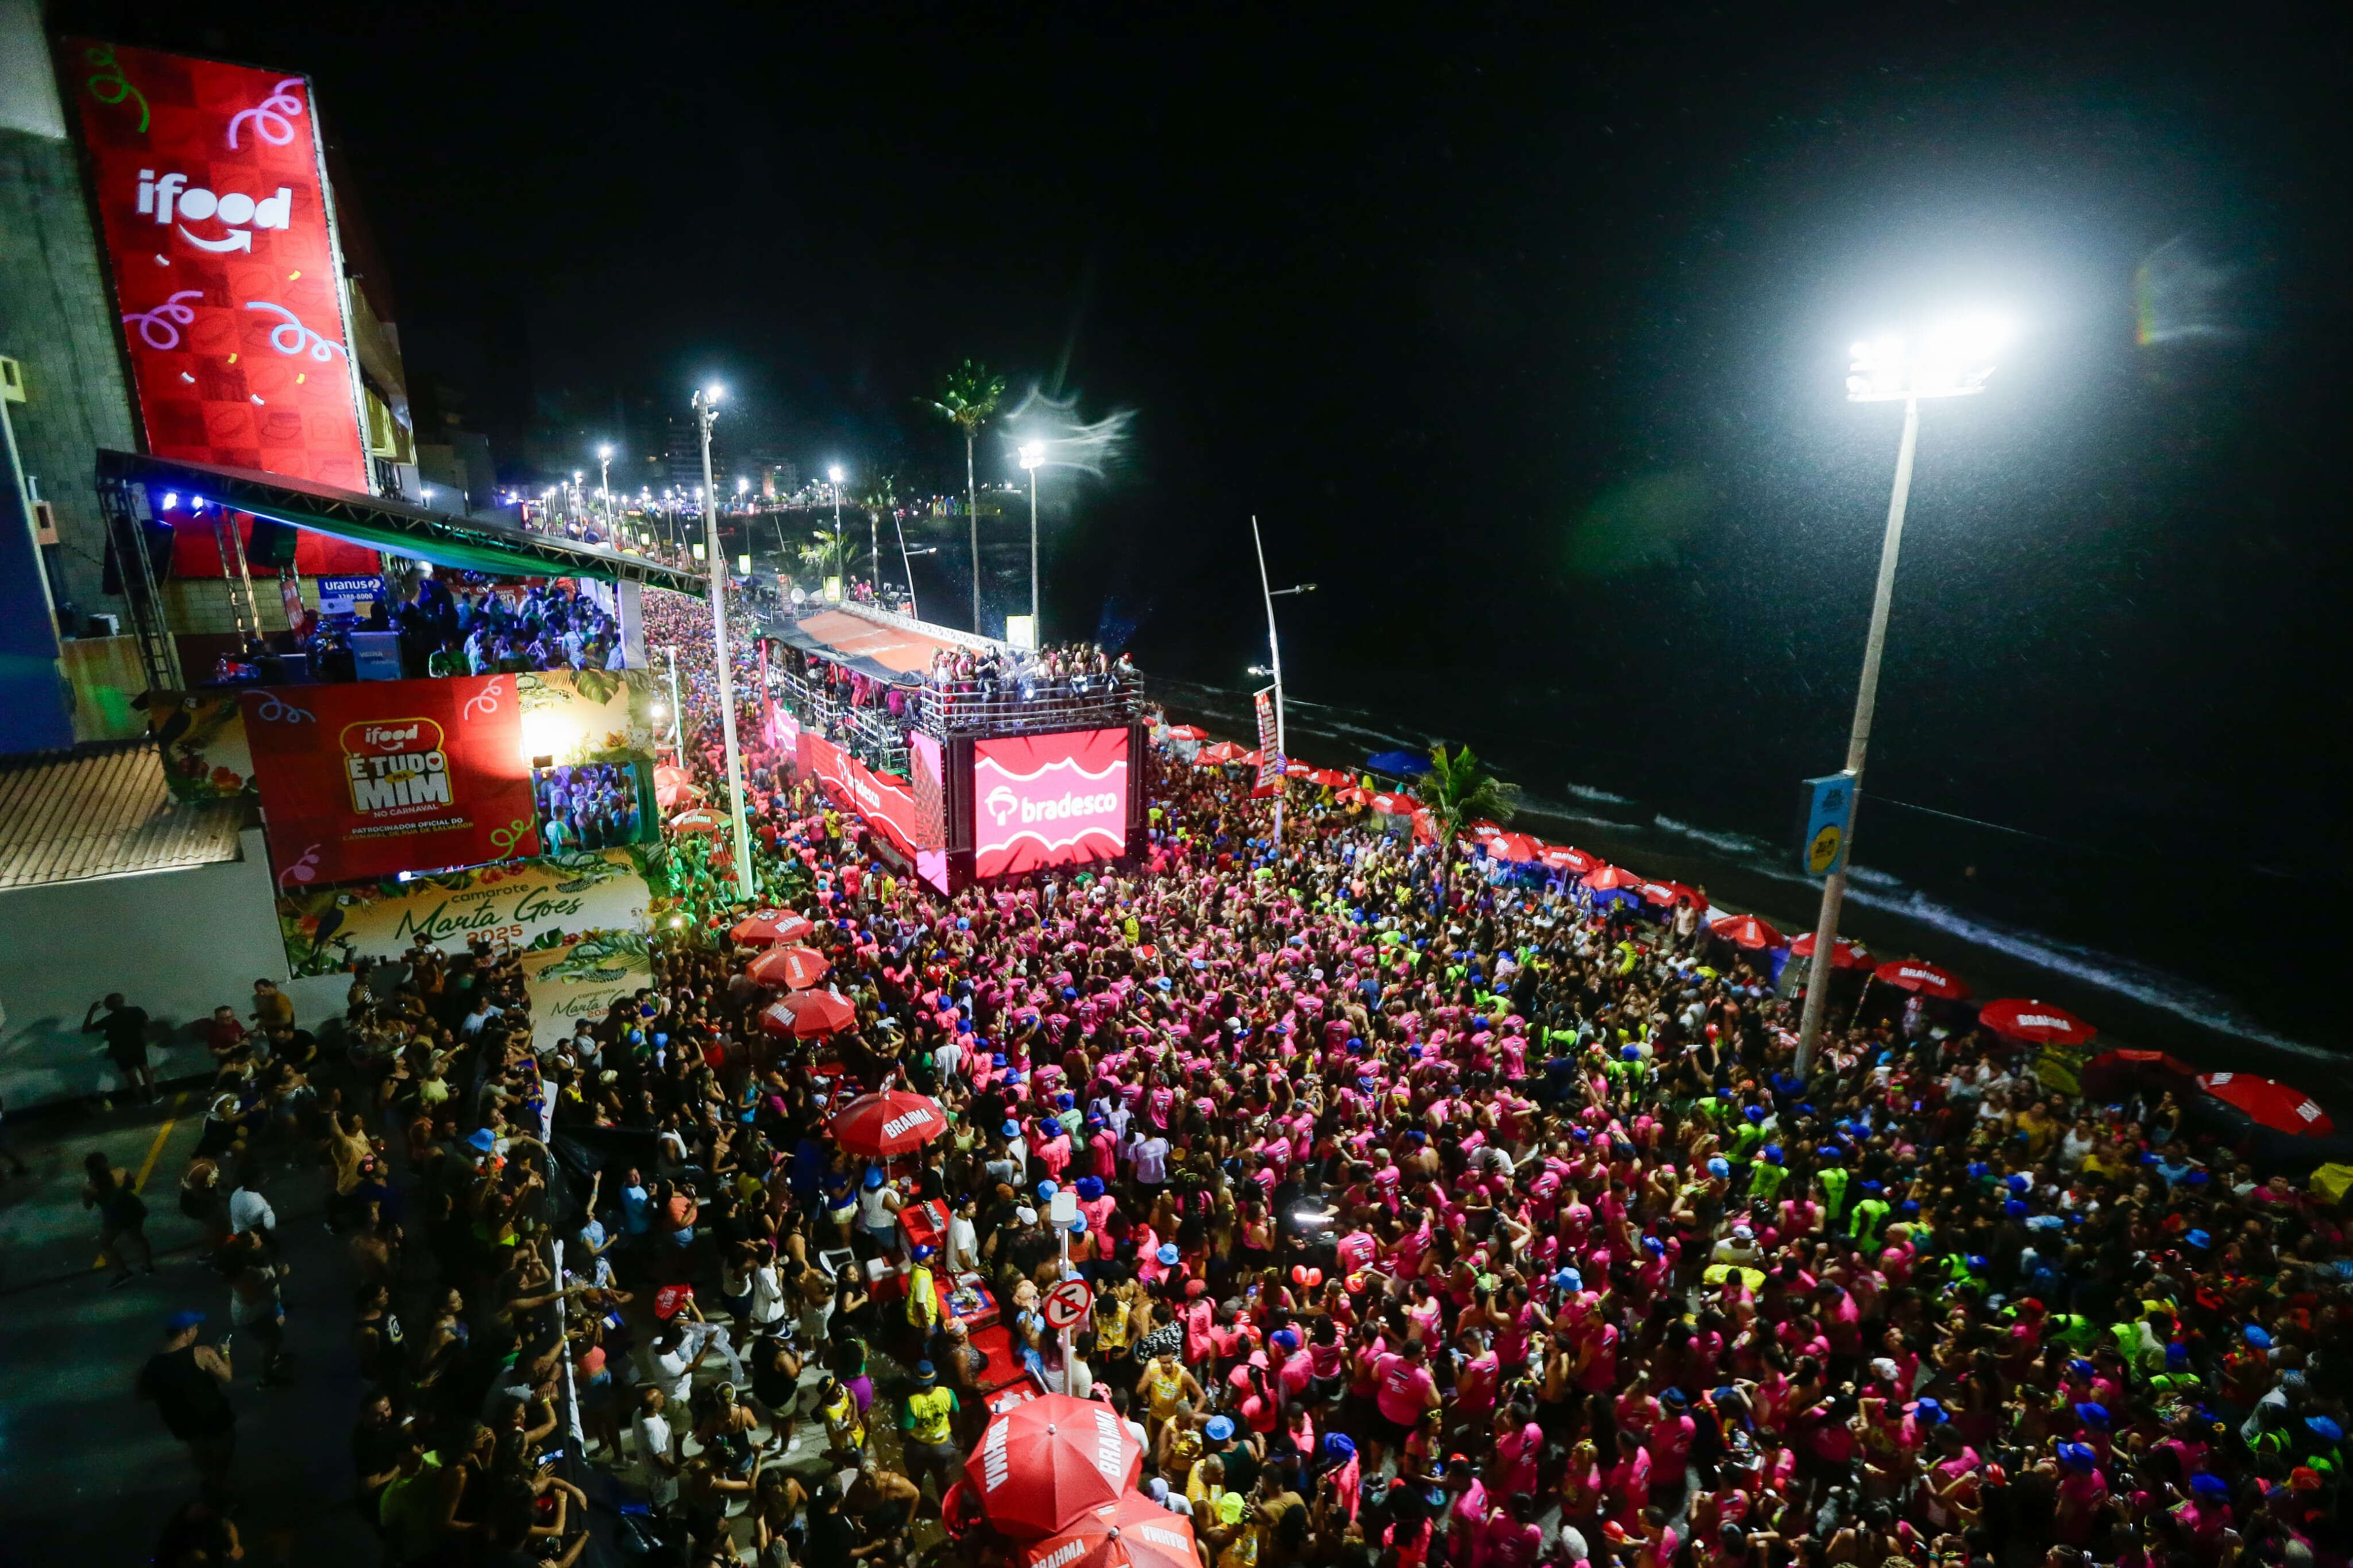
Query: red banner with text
pixel 384 776
pixel 880 799
pixel 214 206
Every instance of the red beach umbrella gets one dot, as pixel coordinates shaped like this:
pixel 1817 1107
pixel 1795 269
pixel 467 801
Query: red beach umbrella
pixel 1844 954
pixel 770 926
pixel 1042 1466
pixel 2038 1021
pixel 1330 778
pixel 1748 932
pixel 815 1013
pixel 1185 732
pixel 1133 1532
pixel 882 1125
pixel 2269 1104
pixel 1219 754
pixel 1395 803
pixel 1606 879
pixel 697 822
pixel 1664 895
pixel 1912 974
pixel 1565 857
pixel 797 967
pixel 1517 848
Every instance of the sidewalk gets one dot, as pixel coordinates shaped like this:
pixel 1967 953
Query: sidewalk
pixel 89 1472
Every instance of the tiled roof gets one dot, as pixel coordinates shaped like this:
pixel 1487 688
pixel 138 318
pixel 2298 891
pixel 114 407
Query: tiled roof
pixel 102 811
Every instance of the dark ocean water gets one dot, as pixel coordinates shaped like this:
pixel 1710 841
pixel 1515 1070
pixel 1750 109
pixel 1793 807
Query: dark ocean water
pixel 2161 952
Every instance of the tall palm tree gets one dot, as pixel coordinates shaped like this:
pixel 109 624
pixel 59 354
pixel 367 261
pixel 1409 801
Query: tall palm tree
pixel 1459 790
pixel 967 400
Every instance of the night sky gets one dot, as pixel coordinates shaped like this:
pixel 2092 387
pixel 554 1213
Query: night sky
pixel 1525 337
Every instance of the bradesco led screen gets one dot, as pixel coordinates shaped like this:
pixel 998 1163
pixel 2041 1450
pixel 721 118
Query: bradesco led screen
pixel 1048 800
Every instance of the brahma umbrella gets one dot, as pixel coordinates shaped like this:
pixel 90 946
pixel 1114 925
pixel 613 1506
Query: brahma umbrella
pixel 1517 848
pixel 1566 858
pixel 1185 732
pixel 1612 878
pixel 1330 778
pixel 2041 1022
pixel 880 1126
pixel 797 967
pixel 1665 895
pixel 1912 974
pixel 672 785
pixel 1844 954
pixel 2268 1102
pixel 1748 932
pixel 814 1013
pixel 771 926
pixel 1219 754
pixel 1132 1532
pixel 1040 1467
pixel 1295 769
pixel 1395 803
pixel 698 821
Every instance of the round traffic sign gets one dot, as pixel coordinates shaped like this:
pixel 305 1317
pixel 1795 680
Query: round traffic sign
pixel 1067 1304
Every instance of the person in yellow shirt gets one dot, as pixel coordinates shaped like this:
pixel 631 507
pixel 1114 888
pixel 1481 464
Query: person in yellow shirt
pixel 927 1427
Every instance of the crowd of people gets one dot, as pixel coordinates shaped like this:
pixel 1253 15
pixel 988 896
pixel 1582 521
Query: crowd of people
pixel 1430 1219
pixel 588 805
pixel 482 629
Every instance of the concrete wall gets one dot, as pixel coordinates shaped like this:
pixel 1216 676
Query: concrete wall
pixel 55 314
pixel 175 943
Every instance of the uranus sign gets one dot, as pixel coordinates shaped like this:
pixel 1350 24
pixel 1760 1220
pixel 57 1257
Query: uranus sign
pixel 1048 800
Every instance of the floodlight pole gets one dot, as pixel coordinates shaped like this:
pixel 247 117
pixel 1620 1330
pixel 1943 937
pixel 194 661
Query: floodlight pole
pixel 706 410
pixel 1866 698
pixel 906 564
pixel 1274 651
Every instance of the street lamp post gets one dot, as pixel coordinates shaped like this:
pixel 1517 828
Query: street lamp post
pixel 604 482
pixel 1274 652
pixel 1032 456
pixel 706 410
pixel 841 555
pixel 677 712
pixel 1954 361
pixel 907 564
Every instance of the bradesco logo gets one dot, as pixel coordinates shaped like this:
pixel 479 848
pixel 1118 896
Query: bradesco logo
pixel 393 763
pixel 172 197
pixel 1007 807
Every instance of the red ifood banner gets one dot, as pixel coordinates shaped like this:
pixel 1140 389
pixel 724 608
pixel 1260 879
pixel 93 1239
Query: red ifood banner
pixel 384 776
pixel 213 202
pixel 882 800
pixel 1048 800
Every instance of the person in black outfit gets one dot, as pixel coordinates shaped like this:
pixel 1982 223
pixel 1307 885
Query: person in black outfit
pixel 126 1029
pixel 186 1381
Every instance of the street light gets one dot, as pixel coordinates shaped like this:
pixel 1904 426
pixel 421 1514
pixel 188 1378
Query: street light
pixel 1033 454
pixel 604 480
pixel 840 557
pixel 1952 360
pixel 706 410
pixel 1274 651
pixel 907 563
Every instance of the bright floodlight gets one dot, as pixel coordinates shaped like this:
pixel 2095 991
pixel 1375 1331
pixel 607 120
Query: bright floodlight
pixel 1033 454
pixel 713 394
pixel 1951 359
pixel 835 474
pixel 605 453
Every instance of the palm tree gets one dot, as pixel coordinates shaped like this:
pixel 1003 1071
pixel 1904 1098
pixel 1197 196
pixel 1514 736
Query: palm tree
pixel 967 400
pixel 1459 790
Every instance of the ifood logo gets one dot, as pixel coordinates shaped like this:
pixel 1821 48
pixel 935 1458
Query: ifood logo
pixel 172 197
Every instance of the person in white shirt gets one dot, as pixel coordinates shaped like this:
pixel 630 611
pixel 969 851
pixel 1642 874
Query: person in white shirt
pixel 963 1252
pixel 654 1448
pixel 247 1209
pixel 1150 1157
pixel 947 1060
